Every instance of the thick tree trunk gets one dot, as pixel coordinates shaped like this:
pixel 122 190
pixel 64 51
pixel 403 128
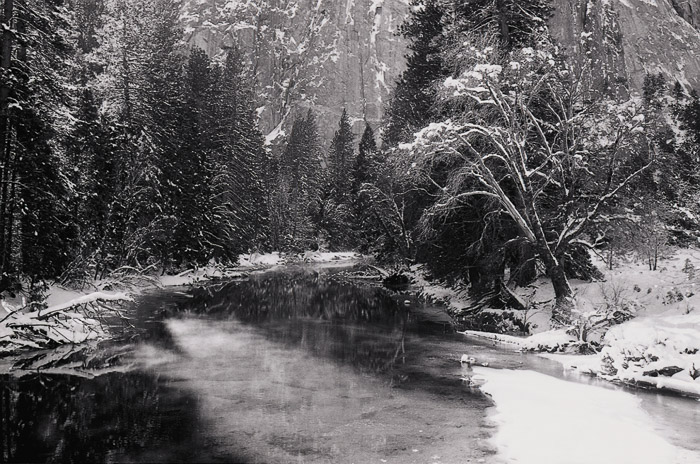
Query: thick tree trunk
pixel 6 174
pixel 562 290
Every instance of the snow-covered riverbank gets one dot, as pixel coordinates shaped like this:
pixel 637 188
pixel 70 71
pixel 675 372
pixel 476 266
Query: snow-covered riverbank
pixel 542 419
pixel 70 316
pixel 658 348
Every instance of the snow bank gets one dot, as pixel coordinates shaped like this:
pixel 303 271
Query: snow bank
pixel 455 299
pixel 542 419
pixel 258 259
pixel 657 352
pixel 82 300
pixel 66 322
pixel 194 276
pixel 649 350
pixel 553 340
pixel 659 348
pixel 328 257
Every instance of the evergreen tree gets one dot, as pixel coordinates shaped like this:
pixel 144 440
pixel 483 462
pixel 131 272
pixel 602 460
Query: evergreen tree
pixel 412 104
pixel 193 166
pixel 89 151
pixel 340 159
pixel 368 164
pixel 368 171
pixel 333 214
pixel 240 160
pixel 37 237
pixel 298 183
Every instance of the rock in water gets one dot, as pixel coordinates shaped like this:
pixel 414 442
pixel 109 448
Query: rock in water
pixel 397 282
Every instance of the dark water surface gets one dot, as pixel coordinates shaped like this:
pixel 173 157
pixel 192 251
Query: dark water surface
pixel 289 366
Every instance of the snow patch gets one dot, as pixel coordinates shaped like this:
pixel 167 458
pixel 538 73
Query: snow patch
pixel 542 419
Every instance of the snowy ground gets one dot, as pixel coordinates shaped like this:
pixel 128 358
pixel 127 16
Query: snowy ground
pixel 659 347
pixel 602 426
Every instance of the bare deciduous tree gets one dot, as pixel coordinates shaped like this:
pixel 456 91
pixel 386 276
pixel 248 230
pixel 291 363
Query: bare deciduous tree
pixel 521 134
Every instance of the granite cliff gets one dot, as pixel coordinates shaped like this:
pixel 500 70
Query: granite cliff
pixel 325 54
pixel 625 39
pixel 331 54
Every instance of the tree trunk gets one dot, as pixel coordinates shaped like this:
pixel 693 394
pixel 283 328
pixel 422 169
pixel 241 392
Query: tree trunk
pixel 6 174
pixel 503 22
pixel 562 290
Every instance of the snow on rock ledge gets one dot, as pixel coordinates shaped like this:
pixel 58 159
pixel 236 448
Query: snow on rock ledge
pixel 551 341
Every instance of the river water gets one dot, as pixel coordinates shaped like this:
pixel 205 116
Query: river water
pixel 287 366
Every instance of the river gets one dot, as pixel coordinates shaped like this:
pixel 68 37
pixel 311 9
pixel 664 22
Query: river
pixel 290 366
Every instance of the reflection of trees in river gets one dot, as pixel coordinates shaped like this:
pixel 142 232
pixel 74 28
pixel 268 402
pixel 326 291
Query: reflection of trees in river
pixel 358 325
pixel 285 296
pixel 45 418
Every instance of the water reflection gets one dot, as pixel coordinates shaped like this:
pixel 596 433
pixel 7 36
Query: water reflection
pixel 285 367
pixel 112 418
pixel 316 295
pixel 361 326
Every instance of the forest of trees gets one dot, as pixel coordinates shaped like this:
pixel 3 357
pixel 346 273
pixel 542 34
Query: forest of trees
pixel 123 148
pixel 513 168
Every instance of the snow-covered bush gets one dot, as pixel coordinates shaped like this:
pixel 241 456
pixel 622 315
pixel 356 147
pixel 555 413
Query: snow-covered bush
pixel 617 307
pixel 502 322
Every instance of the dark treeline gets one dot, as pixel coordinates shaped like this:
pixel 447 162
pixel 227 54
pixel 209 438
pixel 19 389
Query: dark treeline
pixel 122 148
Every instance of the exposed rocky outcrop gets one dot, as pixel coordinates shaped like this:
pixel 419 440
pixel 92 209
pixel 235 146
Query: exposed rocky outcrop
pixel 335 54
pixel 325 54
pixel 689 10
pixel 625 39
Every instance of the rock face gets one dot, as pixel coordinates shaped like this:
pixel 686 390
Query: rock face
pixel 625 39
pixel 688 10
pixel 320 54
pixel 335 54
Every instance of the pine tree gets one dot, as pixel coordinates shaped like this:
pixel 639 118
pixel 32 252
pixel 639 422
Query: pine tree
pixel 340 159
pixel 37 236
pixel 193 166
pixel 367 165
pixel 413 100
pixel 241 157
pixel 89 149
pixel 298 183
pixel 368 171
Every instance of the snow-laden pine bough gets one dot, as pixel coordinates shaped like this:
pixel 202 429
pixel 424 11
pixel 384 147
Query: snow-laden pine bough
pixel 84 318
